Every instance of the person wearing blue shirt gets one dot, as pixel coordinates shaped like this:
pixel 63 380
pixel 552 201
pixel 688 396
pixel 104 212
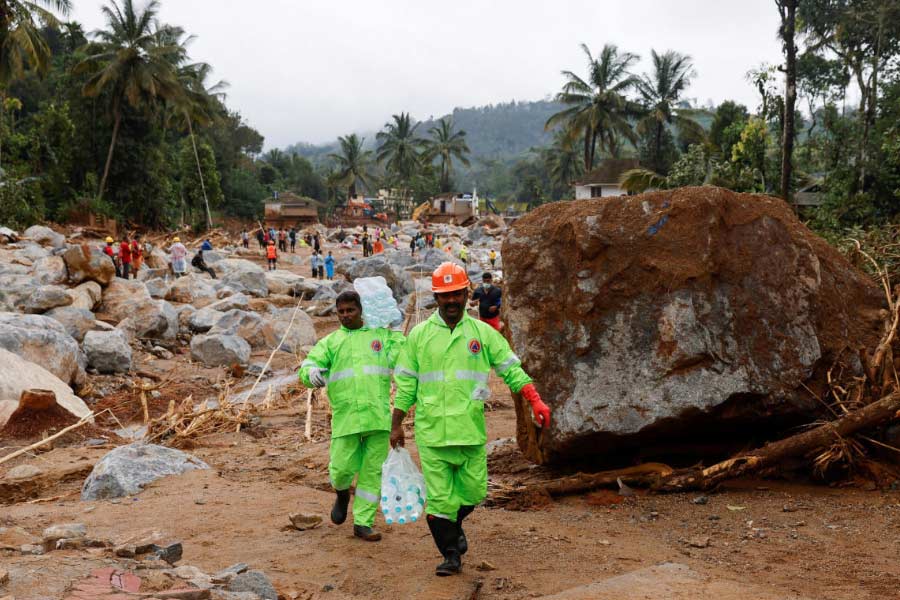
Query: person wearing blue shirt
pixel 329 266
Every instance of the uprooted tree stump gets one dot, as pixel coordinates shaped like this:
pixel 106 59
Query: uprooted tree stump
pixel 773 453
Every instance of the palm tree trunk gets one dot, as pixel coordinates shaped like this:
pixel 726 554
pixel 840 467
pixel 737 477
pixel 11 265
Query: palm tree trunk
pixel 587 149
pixel 199 171
pixel 112 144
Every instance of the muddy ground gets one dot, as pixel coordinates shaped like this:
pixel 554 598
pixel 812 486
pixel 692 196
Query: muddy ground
pixel 750 539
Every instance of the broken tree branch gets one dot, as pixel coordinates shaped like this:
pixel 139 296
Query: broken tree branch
pixel 773 453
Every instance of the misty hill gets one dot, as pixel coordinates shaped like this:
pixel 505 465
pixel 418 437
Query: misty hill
pixel 497 131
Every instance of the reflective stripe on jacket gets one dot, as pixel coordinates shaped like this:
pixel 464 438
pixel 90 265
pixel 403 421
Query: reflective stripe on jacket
pixel 359 363
pixel 445 374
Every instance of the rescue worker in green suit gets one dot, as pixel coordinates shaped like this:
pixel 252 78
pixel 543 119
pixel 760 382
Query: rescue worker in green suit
pixel 355 364
pixel 443 369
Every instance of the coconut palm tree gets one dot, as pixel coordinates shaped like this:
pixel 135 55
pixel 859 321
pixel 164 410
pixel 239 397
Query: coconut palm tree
pixel 400 148
pixel 563 160
pixel 662 92
pixel 133 59
pixel 21 40
pixel 597 107
pixel 446 144
pixel 353 163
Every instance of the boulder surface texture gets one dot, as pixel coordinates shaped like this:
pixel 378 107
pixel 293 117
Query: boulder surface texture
pixel 678 317
pixel 127 469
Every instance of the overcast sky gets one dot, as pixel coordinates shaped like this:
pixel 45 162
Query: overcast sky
pixel 310 70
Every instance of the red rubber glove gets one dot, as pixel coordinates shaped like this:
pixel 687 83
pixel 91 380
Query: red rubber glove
pixel 541 410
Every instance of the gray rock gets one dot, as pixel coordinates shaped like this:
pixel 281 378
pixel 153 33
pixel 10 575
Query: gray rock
pixel 77 321
pixel 201 321
pixel 46 297
pixel 50 270
pixel 171 315
pixel 129 300
pixel 191 289
pixel 68 531
pixel 8 235
pixel 220 350
pixel 303 332
pixel 226 575
pixel 157 288
pixel 86 263
pixel 25 471
pixel 686 313
pixel 107 351
pixel 258 332
pixel 127 469
pixel 256 582
pixel 15 288
pixel 245 274
pixel 230 302
pixel 400 281
pixel 45 236
pixel 43 341
pixel 87 295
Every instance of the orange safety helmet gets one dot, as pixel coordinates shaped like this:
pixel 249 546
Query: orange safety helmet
pixel 448 277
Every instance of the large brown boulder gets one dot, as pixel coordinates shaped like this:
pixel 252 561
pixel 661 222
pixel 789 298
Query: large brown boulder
pixel 676 319
pixel 88 264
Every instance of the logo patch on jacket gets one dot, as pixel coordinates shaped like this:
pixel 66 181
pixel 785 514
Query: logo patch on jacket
pixel 376 345
pixel 474 346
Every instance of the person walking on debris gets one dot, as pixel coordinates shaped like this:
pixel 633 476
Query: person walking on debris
pixel 329 266
pixel 412 247
pixel 261 238
pixel 206 245
pixel 493 257
pixel 464 254
pixel 179 257
pixel 293 236
pixel 314 263
pixel 198 263
pixel 271 255
pixel 355 364
pixel 317 244
pixel 488 298
pixel 137 255
pixel 443 370
pixel 245 239
pixel 125 257
pixel 111 253
pixel 365 242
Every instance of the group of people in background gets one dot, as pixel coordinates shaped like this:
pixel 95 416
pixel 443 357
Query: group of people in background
pixel 322 266
pixel 282 237
pixel 127 255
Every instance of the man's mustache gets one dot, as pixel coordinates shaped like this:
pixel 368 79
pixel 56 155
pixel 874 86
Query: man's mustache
pixel 453 305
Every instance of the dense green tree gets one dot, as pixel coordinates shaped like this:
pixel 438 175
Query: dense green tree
pixel 662 92
pixel 353 163
pixel 722 131
pixel 133 60
pixel 446 145
pixel 22 42
pixel 399 147
pixel 596 108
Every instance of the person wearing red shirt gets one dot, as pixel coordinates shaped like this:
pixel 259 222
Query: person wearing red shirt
pixel 137 255
pixel 125 257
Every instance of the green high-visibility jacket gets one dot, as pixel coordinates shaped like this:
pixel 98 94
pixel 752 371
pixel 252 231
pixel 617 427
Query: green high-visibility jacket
pixel 445 374
pixel 359 363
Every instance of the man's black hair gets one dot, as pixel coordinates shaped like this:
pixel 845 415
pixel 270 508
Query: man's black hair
pixel 349 297
pixel 487 275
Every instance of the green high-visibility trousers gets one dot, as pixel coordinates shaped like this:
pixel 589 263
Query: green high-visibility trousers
pixel 454 476
pixel 363 454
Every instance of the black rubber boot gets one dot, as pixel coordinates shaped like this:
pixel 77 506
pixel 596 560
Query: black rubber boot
pixel 339 510
pixel 462 513
pixel 366 533
pixel 446 538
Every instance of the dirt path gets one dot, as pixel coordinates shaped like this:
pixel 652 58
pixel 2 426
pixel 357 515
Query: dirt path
pixel 808 541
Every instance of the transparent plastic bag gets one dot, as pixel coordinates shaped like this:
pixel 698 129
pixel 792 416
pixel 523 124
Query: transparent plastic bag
pixel 378 304
pixel 402 488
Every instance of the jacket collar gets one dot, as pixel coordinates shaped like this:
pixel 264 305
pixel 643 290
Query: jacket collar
pixel 439 321
pixel 363 328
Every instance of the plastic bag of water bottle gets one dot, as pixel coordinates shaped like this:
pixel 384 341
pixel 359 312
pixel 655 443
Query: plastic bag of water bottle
pixel 378 304
pixel 402 488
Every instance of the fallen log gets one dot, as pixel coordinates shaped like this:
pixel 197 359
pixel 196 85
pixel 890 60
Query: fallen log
pixel 641 475
pixel 774 453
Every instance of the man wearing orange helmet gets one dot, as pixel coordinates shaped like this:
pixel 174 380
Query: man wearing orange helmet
pixel 444 370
